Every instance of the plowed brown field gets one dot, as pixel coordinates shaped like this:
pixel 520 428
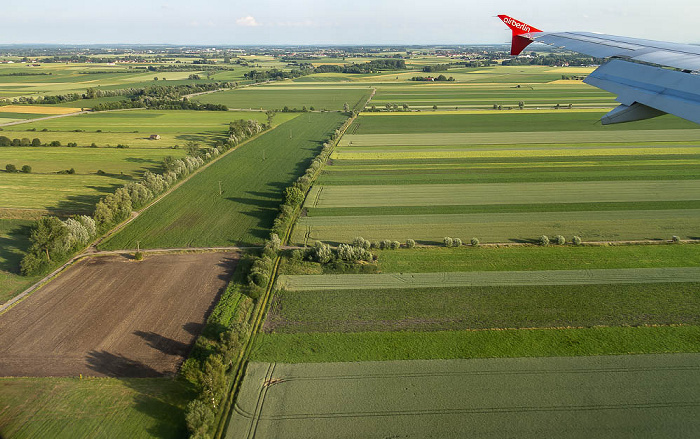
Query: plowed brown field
pixel 114 316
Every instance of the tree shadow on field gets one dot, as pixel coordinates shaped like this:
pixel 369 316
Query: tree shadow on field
pixel 161 399
pixel 119 366
pixel 12 248
pixel 163 344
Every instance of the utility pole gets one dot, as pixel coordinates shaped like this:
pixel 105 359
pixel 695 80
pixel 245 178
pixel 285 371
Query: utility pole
pixel 138 246
pixel 220 192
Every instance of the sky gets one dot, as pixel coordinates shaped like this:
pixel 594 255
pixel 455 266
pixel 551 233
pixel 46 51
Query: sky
pixel 329 22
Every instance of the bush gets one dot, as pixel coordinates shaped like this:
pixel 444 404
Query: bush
pixel 559 240
pixel 10 168
pixel 576 240
pixel 410 243
pixel 385 244
pixel 543 240
pixel 395 245
pixel 27 169
pixel 138 256
pixel 361 242
pixel 457 242
pixel 675 238
pixel 448 242
pixel 36 142
pixel 474 242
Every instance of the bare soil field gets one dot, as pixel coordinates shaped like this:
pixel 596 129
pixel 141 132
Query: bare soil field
pixel 114 316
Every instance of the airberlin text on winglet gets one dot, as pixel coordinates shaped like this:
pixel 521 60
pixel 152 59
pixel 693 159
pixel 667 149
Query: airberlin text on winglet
pixel 518 27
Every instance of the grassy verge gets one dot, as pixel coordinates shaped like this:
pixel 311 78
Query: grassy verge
pixel 100 407
pixel 381 346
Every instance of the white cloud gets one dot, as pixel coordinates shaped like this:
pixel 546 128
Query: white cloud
pixel 247 21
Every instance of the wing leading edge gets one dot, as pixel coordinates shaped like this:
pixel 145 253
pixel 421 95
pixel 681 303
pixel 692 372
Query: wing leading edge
pixel 644 91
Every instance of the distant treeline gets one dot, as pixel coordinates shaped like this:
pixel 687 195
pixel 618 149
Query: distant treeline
pixel 302 69
pixel 436 68
pixel 27 74
pixel 160 97
pixel 430 78
pixel 553 60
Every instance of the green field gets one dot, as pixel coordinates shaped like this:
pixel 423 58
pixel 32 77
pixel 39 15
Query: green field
pixel 14 241
pixel 95 407
pixel 354 304
pixel 322 347
pixel 502 193
pixel 431 259
pixel 79 192
pixel 252 178
pixel 185 125
pixel 616 397
pixel 277 97
pixel 503 227
pixel 425 122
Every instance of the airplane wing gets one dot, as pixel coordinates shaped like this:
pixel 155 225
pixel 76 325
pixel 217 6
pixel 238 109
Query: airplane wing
pixel 643 90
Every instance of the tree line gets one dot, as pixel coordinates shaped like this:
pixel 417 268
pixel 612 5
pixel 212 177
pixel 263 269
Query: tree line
pixel 50 244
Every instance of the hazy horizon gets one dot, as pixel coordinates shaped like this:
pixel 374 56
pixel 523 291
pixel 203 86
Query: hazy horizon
pixel 322 23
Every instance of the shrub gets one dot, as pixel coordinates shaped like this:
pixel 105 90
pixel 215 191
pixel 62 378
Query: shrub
pixel 101 172
pixel 71 171
pixel 375 244
pixel 675 239
pixel 457 242
pixel 361 242
pixel 395 245
pixel 385 244
pixel 36 142
pixel 138 256
pixel 410 243
pixel 10 168
pixel 576 240
pixel 543 240
pixel 559 240
pixel 448 241
pixel 474 242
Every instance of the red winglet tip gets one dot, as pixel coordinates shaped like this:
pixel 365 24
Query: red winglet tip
pixel 518 27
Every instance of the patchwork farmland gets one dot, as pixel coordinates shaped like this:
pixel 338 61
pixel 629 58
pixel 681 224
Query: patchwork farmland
pixel 498 337
pixel 505 177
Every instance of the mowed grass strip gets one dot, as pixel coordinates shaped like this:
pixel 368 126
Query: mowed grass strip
pixel 468 137
pixel 252 180
pixel 350 176
pixel 502 208
pixel 319 347
pixel 105 407
pixel 608 396
pixel 613 225
pixel 446 307
pixel 512 122
pixel 501 193
pixel 537 153
pixel 489 278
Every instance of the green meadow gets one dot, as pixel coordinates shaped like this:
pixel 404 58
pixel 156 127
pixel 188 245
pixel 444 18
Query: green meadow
pixel 93 407
pixel 252 179
pixel 276 97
